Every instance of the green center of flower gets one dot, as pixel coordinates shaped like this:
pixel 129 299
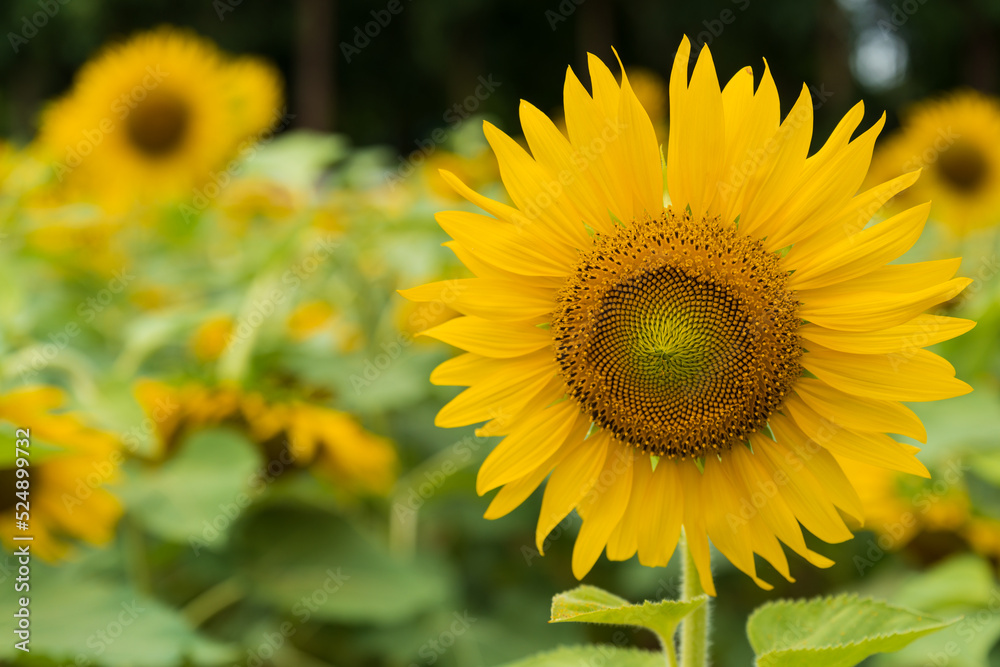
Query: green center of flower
pixel 158 124
pixel 678 336
pixel 963 167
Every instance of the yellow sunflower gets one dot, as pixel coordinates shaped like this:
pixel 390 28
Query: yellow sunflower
pixel 330 442
pixel 211 338
pixel 956 141
pixel 704 364
pixel 154 117
pixel 69 465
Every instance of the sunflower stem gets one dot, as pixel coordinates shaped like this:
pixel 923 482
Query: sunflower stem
pixel 694 628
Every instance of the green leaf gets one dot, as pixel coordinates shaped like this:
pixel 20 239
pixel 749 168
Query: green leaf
pixel 589 604
pixel 312 563
pixel 957 584
pixel 200 492
pixel 963 584
pixel 79 618
pixel 833 632
pixel 574 656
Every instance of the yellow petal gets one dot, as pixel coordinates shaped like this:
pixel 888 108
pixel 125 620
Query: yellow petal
pixel 534 190
pixel 695 145
pixel 874 448
pixel 624 540
pixel 506 390
pixel 572 480
pixel 491 339
pixel 641 153
pixel 820 462
pixel 920 376
pixel 695 531
pixel 507 246
pixel 529 444
pixel 603 508
pixel 801 490
pixel 490 298
pixel 861 253
pixel 860 414
pixel 873 311
pixel 921 331
pixel 664 507
pixel 558 155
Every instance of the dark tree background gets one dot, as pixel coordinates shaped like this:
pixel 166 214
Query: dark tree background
pixel 394 84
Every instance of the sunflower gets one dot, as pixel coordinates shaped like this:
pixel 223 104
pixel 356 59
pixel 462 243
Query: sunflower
pixel 152 118
pixel 704 364
pixel 930 519
pixel 211 338
pixel 956 140
pixel 329 442
pixel 69 464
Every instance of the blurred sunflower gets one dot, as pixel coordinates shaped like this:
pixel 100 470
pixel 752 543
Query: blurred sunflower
pixel 70 463
pixel 956 141
pixel 151 118
pixel 309 319
pixel 929 519
pixel 329 442
pixel 211 338
pixel 703 365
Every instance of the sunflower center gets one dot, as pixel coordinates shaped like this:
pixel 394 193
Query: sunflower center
pixel 158 125
pixel 963 167
pixel 678 336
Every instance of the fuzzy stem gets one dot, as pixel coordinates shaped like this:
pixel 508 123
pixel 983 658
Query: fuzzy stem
pixel 694 629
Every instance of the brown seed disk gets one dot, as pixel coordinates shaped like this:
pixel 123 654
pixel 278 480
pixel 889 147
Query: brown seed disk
pixel 678 336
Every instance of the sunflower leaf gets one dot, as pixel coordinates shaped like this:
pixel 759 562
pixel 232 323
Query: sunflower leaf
pixel 833 632
pixel 573 656
pixel 589 604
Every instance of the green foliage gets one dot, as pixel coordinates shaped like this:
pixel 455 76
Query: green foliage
pixel 196 495
pixel 76 615
pixel 833 632
pixel 574 656
pixel 589 604
pixel 960 585
pixel 308 562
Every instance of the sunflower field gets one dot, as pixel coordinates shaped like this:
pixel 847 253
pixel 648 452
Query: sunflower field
pixel 570 333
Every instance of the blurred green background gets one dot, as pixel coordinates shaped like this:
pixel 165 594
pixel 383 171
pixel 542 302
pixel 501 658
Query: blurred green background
pixel 305 573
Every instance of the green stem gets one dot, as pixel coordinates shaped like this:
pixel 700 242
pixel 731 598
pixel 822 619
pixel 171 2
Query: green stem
pixel 670 650
pixel 212 601
pixel 694 630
